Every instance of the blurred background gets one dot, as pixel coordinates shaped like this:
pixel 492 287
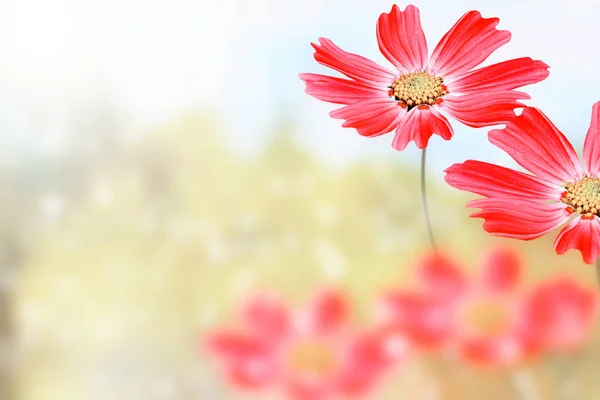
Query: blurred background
pixel 159 160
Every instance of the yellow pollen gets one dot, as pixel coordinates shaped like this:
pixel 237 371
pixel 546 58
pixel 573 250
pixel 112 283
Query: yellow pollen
pixel 312 357
pixel 485 316
pixel 583 196
pixel 418 88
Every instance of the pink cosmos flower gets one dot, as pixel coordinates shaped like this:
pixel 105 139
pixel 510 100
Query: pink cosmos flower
pixel 561 189
pixel 411 99
pixel 482 321
pixel 564 312
pixel 310 354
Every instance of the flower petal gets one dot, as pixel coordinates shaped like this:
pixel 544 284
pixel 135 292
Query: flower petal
pixel 266 315
pixel 328 311
pixel 504 351
pixel 524 220
pixel 371 117
pixel 467 44
pixel 495 181
pixel 502 269
pixel 352 65
pixel 492 329
pixel 253 374
pixel 441 276
pixel 538 146
pixel 582 234
pixel 478 109
pixel 248 360
pixel 591 147
pixel 425 320
pixel 232 346
pixel 419 125
pixel 340 91
pixel 367 358
pixel 302 388
pixel 401 39
pixel 506 75
pixel 563 311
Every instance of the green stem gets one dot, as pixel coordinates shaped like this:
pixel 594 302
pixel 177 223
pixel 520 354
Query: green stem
pixel 424 201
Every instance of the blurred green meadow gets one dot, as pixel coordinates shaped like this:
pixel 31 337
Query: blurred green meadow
pixel 123 257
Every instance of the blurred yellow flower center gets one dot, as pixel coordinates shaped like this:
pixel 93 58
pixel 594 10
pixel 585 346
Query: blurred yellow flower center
pixel 486 317
pixel 583 196
pixel 418 88
pixel 312 357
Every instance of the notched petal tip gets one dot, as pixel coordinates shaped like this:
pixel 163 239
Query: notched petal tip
pixel 541 64
pixel 493 21
pixel 321 43
pixel 453 167
pixel 583 235
pixel 467 44
pixel 591 145
pixel 401 38
pixel 397 9
pixel 352 65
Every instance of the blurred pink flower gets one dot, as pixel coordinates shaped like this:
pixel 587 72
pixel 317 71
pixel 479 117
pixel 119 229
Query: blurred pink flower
pixel 564 312
pixel 482 320
pixel 313 353
pixel 411 99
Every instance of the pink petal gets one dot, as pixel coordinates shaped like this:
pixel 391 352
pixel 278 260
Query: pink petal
pixel 419 125
pixel 441 276
pixel 563 312
pixel 368 357
pixel 516 219
pixel 371 117
pixel 478 109
pixel 267 315
pixel 309 389
pixel 248 360
pixel 591 147
pixel 252 374
pixel 495 181
pixel 502 351
pixel 467 44
pixel 507 343
pixel 582 234
pixel 502 269
pixel 381 347
pixel 329 311
pixel 340 91
pixel 233 347
pixel 538 146
pixel 401 39
pixel 424 319
pixel 503 76
pixel 352 65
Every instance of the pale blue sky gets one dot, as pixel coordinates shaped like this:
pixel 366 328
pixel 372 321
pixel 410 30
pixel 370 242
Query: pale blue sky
pixel 157 58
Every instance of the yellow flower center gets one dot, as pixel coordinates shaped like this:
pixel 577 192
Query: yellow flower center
pixel 312 357
pixel 486 317
pixel 583 196
pixel 418 88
